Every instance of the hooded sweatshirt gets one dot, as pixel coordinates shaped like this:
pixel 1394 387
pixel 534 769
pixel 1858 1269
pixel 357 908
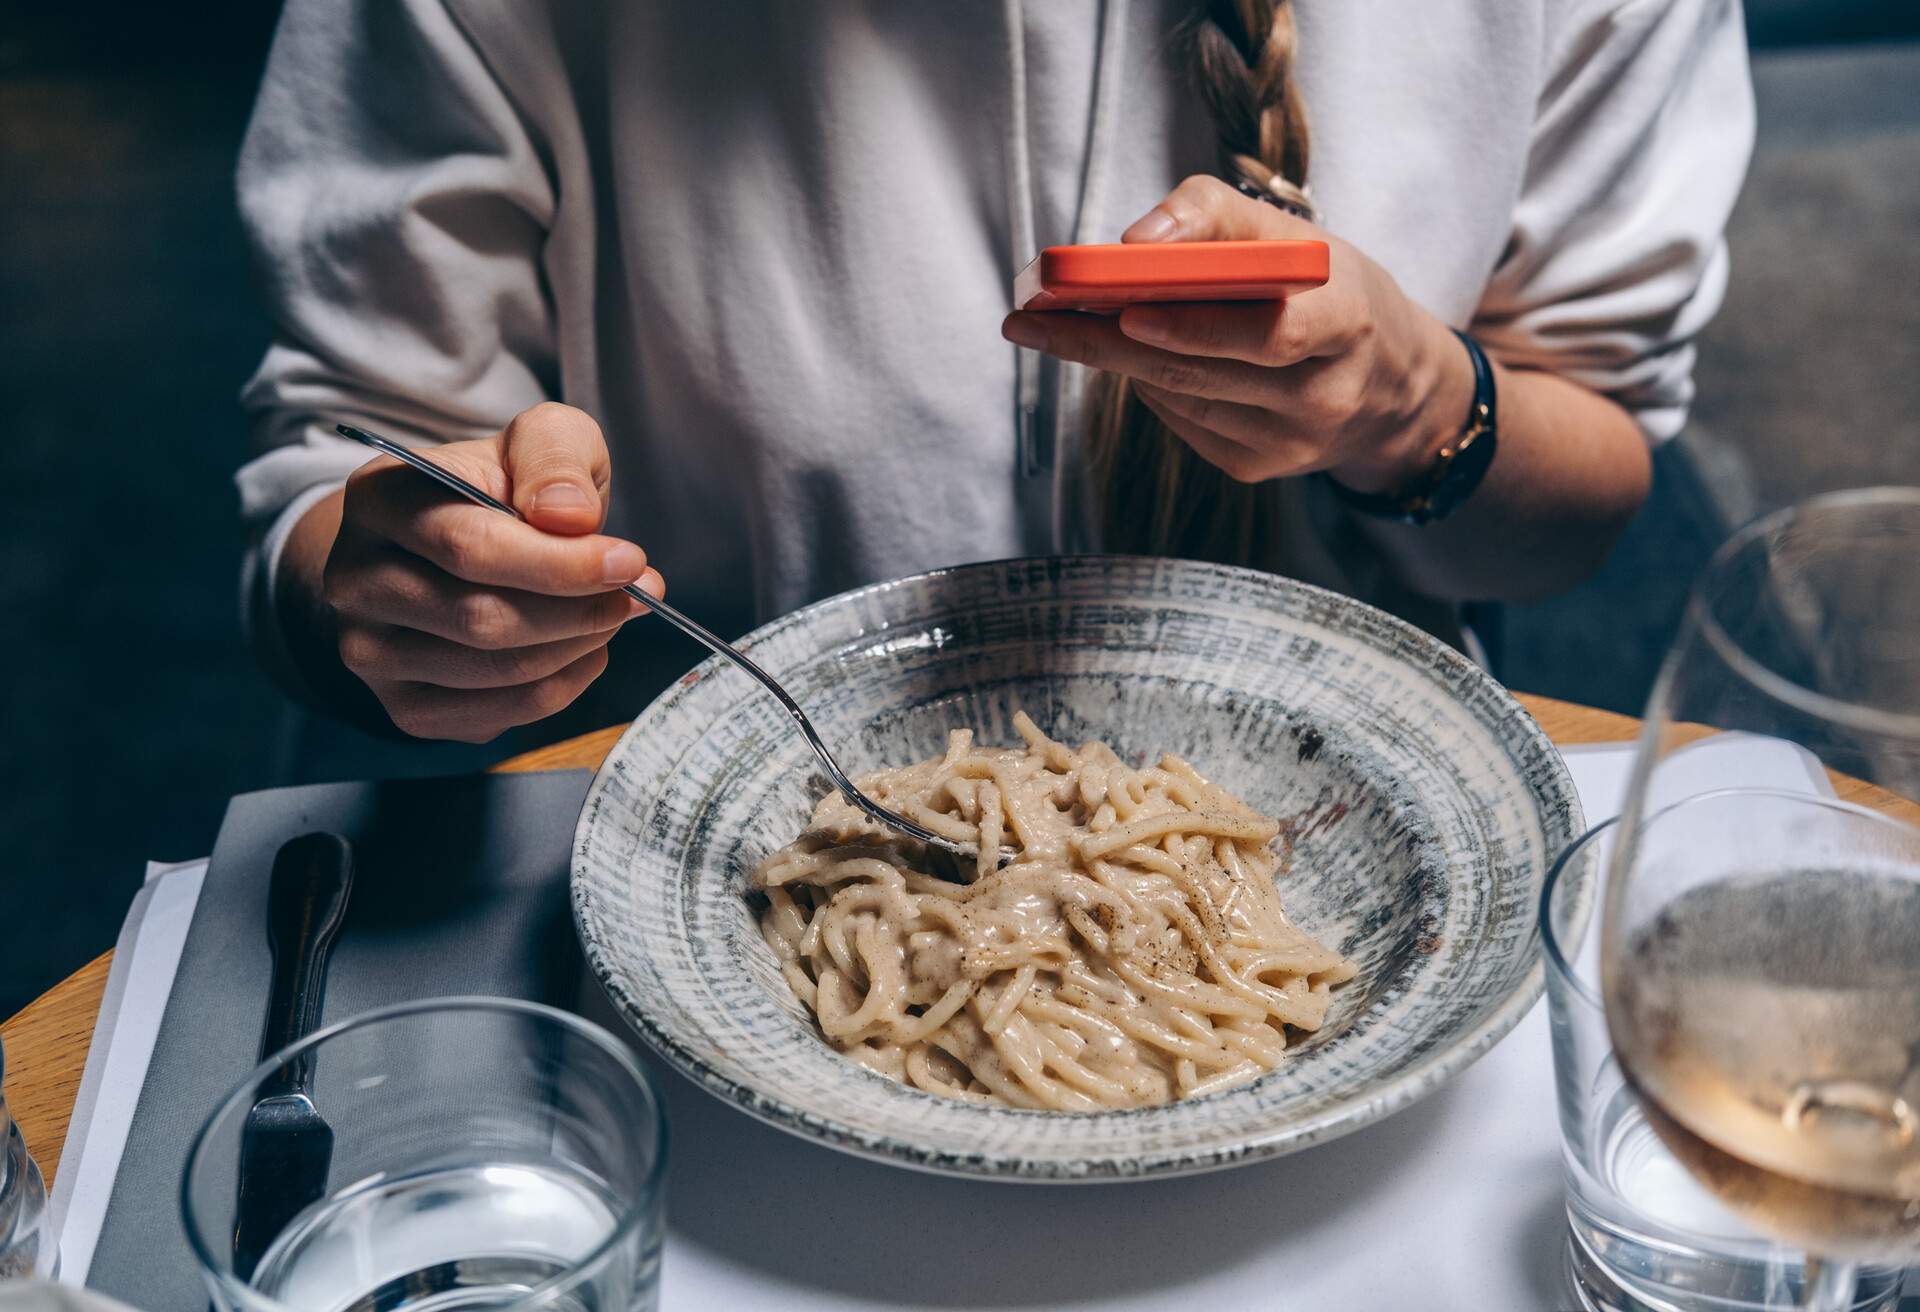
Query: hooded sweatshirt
pixel 768 245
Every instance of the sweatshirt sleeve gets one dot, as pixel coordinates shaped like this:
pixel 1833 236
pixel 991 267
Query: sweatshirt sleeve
pixel 1617 256
pixel 396 210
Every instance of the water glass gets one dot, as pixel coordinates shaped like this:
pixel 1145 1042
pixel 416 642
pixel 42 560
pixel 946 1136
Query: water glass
pixel 485 1153
pixel 26 1245
pixel 1643 1236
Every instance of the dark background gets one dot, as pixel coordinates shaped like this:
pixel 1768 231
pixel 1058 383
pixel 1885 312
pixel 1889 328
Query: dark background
pixel 129 711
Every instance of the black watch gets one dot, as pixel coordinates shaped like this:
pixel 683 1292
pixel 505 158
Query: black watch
pixel 1455 472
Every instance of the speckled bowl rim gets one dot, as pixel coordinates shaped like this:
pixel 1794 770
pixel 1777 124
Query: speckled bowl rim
pixel 1555 792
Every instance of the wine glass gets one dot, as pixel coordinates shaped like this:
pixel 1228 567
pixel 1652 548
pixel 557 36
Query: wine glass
pixel 1760 948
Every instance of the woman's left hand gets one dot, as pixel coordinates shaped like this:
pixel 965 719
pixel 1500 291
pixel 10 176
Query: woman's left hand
pixel 1351 378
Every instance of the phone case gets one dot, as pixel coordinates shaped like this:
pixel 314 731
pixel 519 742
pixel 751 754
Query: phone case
pixel 1105 278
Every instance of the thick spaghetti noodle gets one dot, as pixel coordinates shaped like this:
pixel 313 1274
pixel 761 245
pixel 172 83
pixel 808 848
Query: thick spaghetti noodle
pixel 1133 951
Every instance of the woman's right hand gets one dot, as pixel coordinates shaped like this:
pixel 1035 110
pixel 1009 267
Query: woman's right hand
pixel 461 621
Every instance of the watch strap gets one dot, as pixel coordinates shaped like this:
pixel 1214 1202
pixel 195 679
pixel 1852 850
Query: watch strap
pixel 1457 468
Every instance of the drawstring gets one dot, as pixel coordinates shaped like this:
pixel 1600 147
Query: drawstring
pixel 1106 98
pixel 1037 422
pixel 1108 78
pixel 1020 226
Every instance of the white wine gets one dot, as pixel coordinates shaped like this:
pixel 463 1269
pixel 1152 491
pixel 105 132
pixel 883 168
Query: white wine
pixel 1771 1025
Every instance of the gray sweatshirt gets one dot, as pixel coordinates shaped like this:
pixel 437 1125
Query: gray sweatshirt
pixel 768 244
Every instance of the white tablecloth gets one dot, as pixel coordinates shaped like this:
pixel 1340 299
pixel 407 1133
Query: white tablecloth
pixel 1452 1203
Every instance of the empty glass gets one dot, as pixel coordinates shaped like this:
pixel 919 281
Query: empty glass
pixel 465 1153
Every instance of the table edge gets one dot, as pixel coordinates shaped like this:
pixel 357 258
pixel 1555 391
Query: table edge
pixel 48 1039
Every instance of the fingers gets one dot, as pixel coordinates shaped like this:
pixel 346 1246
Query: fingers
pixel 479 545
pixel 1243 464
pixel 380 587
pixel 449 659
pixel 1243 425
pixel 396 655
pixel 556 462
pixel 1249 443
pixel 1098 342
pixel 480 715
pixel 1273 334
pixel 1204 208
pixel 463 621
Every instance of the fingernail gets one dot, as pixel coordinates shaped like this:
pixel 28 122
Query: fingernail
pixel 652 584
pixel 622 563
pixel 562 496
pixel 1022 330
pixel 1146 325
pixel 1154 225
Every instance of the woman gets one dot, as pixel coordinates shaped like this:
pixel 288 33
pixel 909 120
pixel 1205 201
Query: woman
pixel 723 281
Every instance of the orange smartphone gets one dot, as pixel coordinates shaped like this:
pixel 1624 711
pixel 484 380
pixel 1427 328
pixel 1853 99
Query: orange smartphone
pixel 1102 279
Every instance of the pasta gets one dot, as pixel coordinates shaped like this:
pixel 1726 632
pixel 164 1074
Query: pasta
pixel 1134 950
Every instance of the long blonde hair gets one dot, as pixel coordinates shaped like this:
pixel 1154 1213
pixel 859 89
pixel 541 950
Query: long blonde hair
pixel 1151 494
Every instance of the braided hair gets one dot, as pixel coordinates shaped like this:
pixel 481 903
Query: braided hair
pixel 1152 494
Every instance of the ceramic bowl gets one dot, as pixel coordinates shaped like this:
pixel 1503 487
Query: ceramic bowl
pixel 1428 805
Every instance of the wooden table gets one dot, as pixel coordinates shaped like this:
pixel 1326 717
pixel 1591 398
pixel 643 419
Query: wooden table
pixel 46 1043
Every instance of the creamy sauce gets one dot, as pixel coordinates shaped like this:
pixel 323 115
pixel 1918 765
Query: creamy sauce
pixel 1134 951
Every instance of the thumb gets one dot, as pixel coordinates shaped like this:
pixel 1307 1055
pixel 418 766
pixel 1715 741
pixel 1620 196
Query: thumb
pixel 1206 209
pixel 557 468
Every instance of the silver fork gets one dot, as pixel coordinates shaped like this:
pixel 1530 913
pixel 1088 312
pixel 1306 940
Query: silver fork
pixel 699 633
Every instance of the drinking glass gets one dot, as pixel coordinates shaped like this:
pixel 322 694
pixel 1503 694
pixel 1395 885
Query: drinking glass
pixel 26 1241
pixel 1642 1234
pixel 485 1153
pixel 1760 951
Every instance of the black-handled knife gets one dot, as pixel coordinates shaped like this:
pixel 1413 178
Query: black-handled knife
pixel 286 1146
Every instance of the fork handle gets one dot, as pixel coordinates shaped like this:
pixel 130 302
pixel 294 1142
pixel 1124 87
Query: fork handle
pixel 700 633
pixel 686 624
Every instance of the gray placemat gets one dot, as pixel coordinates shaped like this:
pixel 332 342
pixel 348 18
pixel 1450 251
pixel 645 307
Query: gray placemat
pixel 460 886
